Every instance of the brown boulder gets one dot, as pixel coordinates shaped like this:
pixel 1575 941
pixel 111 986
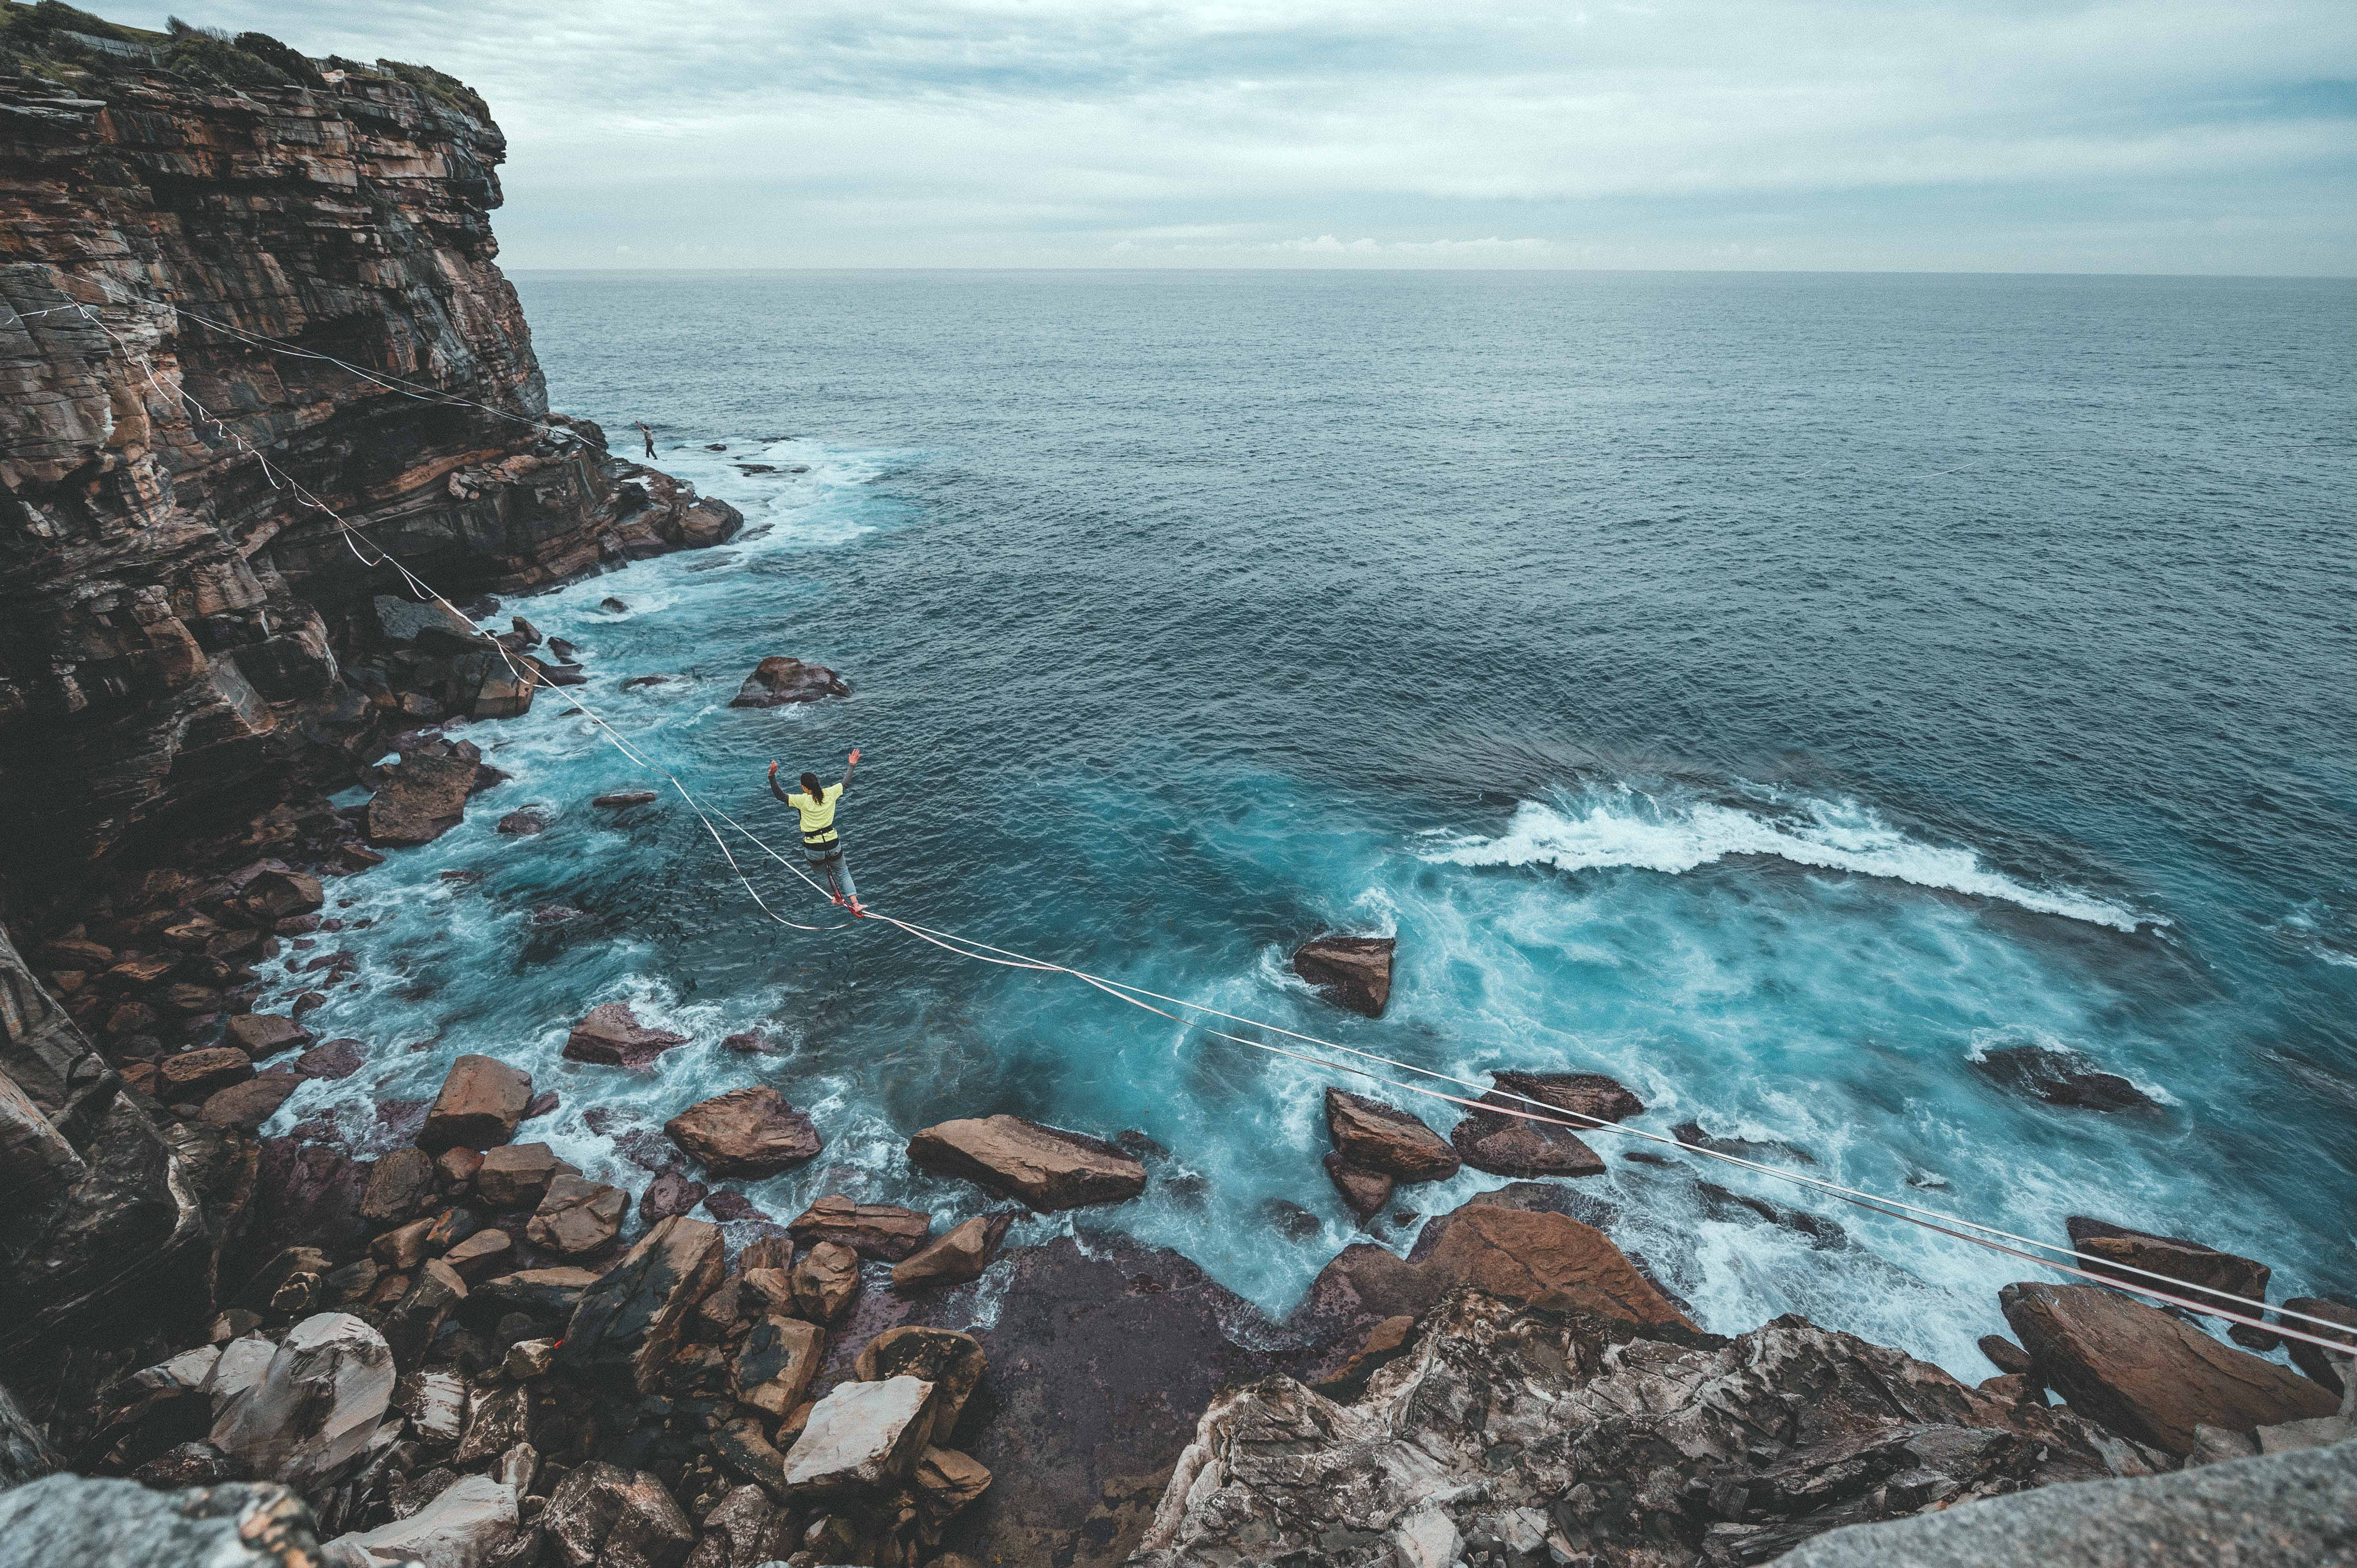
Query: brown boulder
pixel 516 1175
pixel 670 1193
pixel 246 1106
pixel 615 1518
pixel 1591 1095
pixel 2145 1374
pixel 1045 1167
pixel 628 1322
pixel 879 1231
pixel 1364 1192
pixel 2314 1360
pixel 963 1254
pixel 193 1075
pixel 776 1363
pixel 480 1103
pixel 612 1035
pixel 422 799
pixel 746 1132
pixel 1375 1136
pixel 279 895
pixel 398 1186
pixel 1516 1147
pixel 482 1255
pixel 946 1483
pixel 953 1362
pixel 1350 971
pixel 825 1279
pixel 577 1216
pixel 2114 1250
pixel 260 1035
pixel 777 681
pixel 1550 1260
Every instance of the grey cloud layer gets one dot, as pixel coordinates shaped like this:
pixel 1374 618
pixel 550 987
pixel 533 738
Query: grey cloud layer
pixel 2160 137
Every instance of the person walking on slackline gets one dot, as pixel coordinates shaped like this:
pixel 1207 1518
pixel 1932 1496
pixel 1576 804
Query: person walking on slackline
pixel 821 846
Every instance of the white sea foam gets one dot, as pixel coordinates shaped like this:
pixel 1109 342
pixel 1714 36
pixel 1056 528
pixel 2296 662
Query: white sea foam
pixel 1628 827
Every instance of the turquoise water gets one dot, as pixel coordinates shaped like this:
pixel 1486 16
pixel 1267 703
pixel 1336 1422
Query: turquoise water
pixel 1778 693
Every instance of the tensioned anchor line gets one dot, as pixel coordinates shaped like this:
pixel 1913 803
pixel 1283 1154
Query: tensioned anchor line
pixel 424 591
pixel 1891 1208
pixel 1932 1220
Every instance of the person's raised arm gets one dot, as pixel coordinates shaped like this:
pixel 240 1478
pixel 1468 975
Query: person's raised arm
pixel 848 767
pixel 780 794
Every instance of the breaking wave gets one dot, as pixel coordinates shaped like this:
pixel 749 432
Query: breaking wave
pixel 1625 826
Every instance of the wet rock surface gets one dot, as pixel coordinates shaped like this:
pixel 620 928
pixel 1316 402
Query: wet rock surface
pixel 2148 1375
pixel 778 680
pixel 1521 1432
pixel 1375 1136
pixel 746 1132
pixel 1046 1167
pixel 1350 971
pixel 611 1034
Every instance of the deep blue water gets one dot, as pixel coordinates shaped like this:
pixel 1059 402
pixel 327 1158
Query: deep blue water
pixel 1777 691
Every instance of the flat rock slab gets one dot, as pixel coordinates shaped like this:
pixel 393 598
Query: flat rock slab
pixel 2145 1374
pixel 2291 1511
pixel 746 1132
pixel 1047 1169
pixel 1350 971
pixel 881 1231
pixel 422 799
pixel 611 1035
pixel 2171 1256
pixel 861 1436
pixel 1509 1145
pixel 1379 1137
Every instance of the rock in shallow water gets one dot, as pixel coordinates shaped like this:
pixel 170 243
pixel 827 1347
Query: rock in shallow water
pixel 611 1035
pixel 746 1132
pixel 482 1101
pixel 422 799
pixel 1047 1168
pixel 1376 1136
pixel 2146 1375
pixel 1350 971
pixel 777 681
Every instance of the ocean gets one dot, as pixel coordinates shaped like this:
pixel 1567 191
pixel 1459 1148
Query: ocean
pixel 1815 701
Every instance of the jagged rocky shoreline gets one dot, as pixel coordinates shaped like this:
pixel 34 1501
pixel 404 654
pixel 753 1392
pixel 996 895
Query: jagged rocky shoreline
pixel 462 1352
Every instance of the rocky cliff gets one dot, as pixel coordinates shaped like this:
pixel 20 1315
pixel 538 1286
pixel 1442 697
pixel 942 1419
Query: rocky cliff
pixel 177 616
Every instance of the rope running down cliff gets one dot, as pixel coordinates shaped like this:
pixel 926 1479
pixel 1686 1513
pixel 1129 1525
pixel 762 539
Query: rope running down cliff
pixel 1543 1114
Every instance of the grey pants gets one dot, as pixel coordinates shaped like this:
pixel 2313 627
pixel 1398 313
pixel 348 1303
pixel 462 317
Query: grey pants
pixel 838 875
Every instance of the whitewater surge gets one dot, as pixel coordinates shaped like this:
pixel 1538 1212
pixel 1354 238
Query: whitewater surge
pixel 1622 826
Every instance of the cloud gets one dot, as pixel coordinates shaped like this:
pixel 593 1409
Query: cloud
pixel 2019 134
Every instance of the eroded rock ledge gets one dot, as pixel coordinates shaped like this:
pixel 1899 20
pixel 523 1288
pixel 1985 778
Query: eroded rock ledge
pixel 175 625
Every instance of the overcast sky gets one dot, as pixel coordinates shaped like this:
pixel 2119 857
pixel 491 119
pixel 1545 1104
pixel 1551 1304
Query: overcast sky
pixel 2168 136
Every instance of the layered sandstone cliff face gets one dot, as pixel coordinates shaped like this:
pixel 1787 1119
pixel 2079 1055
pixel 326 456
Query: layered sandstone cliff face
pixel 174 616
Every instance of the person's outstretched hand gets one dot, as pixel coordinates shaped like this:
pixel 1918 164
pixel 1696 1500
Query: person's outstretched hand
pixel 855 754
pixel 773 769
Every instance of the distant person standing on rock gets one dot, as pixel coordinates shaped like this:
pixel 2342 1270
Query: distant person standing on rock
pixel 649 438
pixel 821 844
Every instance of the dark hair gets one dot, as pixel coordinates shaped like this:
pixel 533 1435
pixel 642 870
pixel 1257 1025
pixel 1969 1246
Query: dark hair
pixel 810 786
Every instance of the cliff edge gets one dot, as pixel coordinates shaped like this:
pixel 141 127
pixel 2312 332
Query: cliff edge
pixel 177 605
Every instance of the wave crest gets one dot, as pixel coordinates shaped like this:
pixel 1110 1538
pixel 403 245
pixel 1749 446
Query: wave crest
pixel 1628 827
